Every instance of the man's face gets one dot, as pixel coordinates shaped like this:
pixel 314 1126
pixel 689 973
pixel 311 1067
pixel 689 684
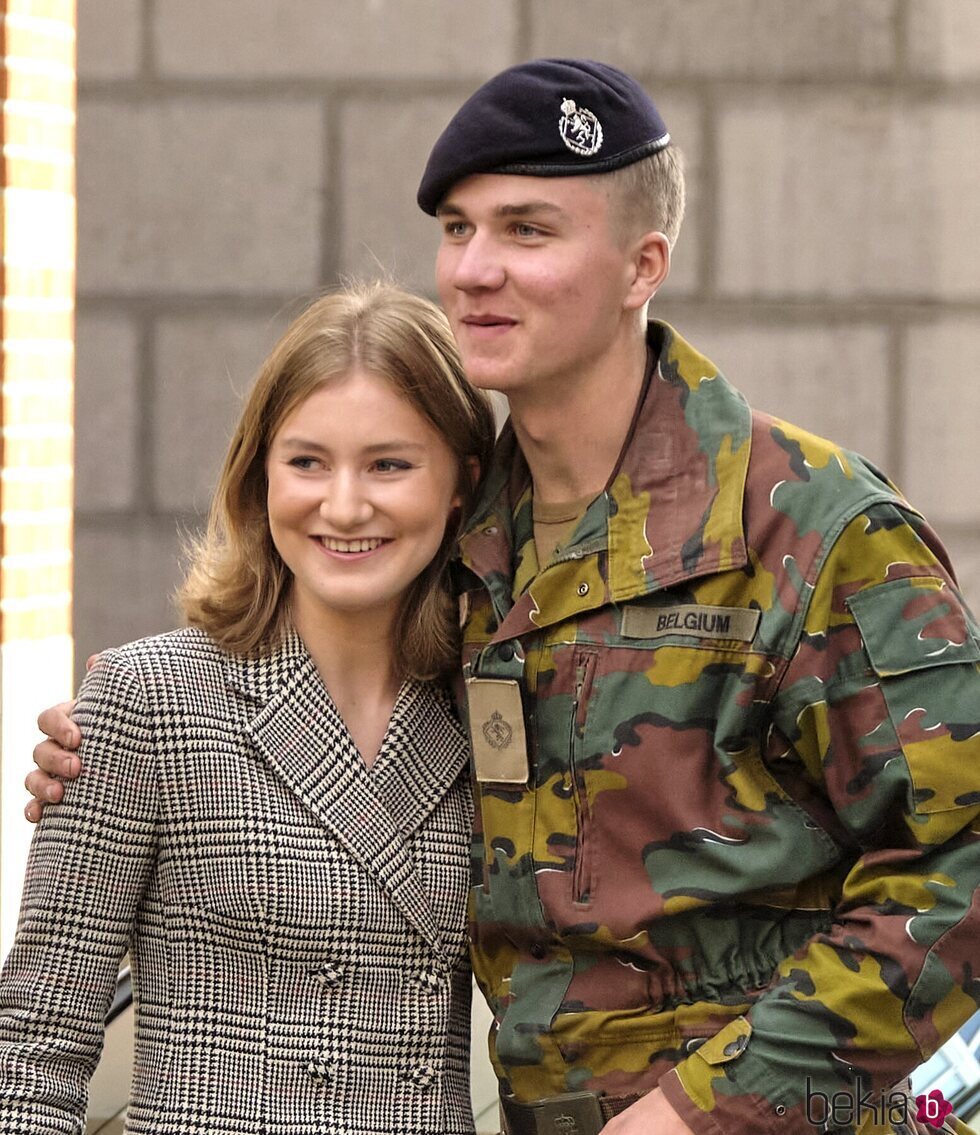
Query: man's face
pixel 533 278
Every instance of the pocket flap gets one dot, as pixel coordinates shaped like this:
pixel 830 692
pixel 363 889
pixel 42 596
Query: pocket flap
pixel 909 624
pixel 728 1043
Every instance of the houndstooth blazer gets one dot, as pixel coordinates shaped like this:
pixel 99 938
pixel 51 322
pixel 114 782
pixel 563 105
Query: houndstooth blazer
pixel 295 920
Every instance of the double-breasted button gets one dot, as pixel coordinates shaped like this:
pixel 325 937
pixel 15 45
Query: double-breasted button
pixel 505 652
pixel 538 951
pixel 430 980
pixel 423 1076
pixel 583 589
pixel 318 1072
pixel 328 976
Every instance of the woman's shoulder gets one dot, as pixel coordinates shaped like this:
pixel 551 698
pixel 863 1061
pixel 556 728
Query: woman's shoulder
pixel 186 644
pixel 187 658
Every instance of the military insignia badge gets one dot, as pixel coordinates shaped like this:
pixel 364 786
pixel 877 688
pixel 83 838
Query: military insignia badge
pixel 497 734
pixel 497 731
pixel 580 130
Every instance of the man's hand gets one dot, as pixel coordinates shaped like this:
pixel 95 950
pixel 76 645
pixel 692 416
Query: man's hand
pixel 54 758
pixel 651 1115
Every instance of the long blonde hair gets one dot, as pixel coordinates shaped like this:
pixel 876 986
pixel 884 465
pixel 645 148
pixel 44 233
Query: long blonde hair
pixel 237 586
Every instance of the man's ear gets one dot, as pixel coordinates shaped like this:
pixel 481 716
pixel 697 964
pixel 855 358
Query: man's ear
pixel 650 266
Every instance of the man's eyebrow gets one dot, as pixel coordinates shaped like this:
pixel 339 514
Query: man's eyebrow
pixel 518 209
pixel 522 208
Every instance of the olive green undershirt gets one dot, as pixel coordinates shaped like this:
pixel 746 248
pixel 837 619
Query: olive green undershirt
pixel 555 523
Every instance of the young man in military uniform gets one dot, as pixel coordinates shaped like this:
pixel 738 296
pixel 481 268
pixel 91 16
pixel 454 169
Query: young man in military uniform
pixel 723 694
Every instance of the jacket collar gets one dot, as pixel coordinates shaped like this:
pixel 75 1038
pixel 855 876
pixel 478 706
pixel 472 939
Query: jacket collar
pixel 672 510
pixel 294 725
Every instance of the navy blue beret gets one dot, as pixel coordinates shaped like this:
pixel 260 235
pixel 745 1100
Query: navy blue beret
pixel 546 118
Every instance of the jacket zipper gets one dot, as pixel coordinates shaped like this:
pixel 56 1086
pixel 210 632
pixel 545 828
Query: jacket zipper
pixel 582 874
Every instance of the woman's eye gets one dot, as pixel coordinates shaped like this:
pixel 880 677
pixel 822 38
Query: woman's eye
pixel 528 230
pixel 302 462
pixel 390 465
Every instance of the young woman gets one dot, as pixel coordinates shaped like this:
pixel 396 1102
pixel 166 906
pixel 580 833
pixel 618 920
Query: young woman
pixel 297 939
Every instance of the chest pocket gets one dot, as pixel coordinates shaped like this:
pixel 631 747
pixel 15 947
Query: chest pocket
pixel 650 765
pixel 685 668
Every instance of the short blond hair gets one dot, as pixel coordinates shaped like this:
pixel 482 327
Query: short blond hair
pixel 648 195
pixel 237 586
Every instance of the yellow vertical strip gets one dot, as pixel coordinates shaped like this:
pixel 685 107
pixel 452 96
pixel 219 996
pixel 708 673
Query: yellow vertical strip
pixel 37 241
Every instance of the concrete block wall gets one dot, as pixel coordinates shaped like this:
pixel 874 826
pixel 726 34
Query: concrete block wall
pixel 236 155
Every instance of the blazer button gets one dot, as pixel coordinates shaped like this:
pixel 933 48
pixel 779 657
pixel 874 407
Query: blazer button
pixel 327 976
pixel 423 1076
pixel 537 951
pixel 318 1072
pixel 430 981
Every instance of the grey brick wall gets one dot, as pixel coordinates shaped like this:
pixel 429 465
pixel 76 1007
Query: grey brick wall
pixel 235 155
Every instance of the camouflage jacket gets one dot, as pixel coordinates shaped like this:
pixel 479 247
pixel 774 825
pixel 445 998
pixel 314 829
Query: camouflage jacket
pixel 744 863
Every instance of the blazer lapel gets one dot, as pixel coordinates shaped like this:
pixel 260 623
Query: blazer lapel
pixel 423 753
pixel 298 731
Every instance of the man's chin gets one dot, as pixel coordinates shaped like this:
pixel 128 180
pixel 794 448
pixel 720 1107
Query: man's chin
pixel 482 380
pixel 489 377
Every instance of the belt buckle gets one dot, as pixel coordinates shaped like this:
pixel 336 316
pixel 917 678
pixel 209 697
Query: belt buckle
pixel 574 1113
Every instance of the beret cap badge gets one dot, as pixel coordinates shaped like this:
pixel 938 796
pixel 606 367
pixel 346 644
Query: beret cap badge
pixel 580 130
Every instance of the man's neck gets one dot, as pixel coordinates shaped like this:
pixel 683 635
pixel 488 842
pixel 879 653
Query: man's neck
pixel 572 442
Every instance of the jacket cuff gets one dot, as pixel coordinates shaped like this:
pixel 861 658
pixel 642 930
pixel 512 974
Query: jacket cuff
pixel 703 1094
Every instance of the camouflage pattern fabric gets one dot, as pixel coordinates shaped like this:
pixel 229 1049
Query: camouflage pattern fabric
pixel 745 864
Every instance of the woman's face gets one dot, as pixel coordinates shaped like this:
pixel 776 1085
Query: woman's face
pixel 361 488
